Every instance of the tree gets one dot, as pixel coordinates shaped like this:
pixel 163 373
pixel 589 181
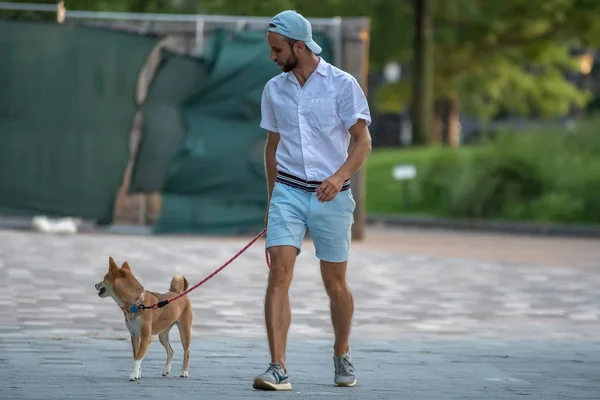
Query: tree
pixel 153 6
pixel 245 8
pixel 513 55
pixel 422 76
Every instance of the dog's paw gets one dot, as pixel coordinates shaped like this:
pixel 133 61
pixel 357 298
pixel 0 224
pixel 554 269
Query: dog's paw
pixel 135 377
pixel 137 371
pixel 184 374
pixel 167 370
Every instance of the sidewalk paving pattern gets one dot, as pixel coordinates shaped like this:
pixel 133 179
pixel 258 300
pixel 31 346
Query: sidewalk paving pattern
pixel 425 327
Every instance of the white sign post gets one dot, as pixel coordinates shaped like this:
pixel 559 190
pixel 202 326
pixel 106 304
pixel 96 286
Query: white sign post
pixel 404 173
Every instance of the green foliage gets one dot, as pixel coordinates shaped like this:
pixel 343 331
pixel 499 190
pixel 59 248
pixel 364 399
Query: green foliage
pixel 392 98
pixel 389 17
pixel 245 8
pixel 149 6
pixel 385 195
pixel 504 85
pixel 548 176
pixel 433 191
pixel 510 55
pixel 501 184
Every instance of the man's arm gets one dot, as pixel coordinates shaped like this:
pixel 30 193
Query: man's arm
pixel 359 152
pixel 270 161
pixel 356 158
pixel 355 115
pixel 269 122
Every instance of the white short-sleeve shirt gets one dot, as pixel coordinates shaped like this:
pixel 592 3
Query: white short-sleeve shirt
pixel 313 121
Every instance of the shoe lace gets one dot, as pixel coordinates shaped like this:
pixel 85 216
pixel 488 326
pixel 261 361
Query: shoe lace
pixel 344 365
pixel 273 367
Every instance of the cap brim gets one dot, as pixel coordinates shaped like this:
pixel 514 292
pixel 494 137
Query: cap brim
pixel 313 46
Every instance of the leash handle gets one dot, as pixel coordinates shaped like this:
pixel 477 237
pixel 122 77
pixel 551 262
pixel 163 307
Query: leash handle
pixel 163 303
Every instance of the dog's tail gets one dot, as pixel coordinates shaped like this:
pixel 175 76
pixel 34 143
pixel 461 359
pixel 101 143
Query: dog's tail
pixel 178 284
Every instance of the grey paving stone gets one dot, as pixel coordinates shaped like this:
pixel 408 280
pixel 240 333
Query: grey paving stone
pixel 426 326
pixel 412 368
pixel 49 284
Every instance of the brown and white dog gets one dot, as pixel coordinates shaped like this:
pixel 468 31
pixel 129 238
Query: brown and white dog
pixel 129 294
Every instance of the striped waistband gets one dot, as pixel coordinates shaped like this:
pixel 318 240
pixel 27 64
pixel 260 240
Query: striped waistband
pixel 308 186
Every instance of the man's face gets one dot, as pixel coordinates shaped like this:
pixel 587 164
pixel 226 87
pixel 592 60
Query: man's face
pixel 282 52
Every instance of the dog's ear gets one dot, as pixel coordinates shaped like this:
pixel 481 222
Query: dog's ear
pixel 112 266
pixel 126 266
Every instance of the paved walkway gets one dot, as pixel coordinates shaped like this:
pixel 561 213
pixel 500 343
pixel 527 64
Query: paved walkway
pixel 47 287
pixel 438 316
pixel 411 368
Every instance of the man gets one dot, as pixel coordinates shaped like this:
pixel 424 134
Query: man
pixel 310 111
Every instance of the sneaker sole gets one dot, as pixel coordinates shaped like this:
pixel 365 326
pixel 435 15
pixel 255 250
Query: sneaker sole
pixel 263 385
pixel 351 384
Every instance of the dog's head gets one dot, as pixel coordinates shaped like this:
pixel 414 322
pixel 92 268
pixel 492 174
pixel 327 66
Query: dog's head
pixel 117 280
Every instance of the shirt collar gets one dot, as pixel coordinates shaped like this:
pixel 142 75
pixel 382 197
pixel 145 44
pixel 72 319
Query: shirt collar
pixel 322 69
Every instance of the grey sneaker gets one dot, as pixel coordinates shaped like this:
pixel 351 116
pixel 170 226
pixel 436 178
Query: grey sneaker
pixel 274 378
pixel 344 371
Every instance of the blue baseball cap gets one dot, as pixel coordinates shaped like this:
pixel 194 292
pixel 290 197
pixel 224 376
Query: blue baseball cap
pixel 293 25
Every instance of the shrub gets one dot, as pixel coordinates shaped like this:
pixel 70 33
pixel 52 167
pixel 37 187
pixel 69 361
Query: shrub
pixel 544 175
pixel 435 181
pixel 496 181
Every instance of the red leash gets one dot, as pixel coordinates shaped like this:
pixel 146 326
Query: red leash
pixel 163 303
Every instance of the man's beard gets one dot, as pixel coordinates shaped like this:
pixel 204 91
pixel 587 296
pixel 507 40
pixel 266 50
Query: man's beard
pixel 290 64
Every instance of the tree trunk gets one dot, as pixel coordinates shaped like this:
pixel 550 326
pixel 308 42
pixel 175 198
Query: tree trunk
pixel 422 114
pixel 452 123
pixel 447 122
pixel 438 130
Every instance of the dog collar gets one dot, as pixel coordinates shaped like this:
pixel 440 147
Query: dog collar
pixel 136 306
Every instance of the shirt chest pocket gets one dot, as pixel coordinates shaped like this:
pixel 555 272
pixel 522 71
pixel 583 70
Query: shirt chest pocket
pixel 321 113
pixel 286 113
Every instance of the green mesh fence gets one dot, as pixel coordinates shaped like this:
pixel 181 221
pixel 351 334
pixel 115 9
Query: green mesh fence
pixel 66 109
pixel 215 182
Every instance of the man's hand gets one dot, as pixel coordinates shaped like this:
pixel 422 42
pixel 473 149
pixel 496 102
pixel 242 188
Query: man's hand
pixel 330 188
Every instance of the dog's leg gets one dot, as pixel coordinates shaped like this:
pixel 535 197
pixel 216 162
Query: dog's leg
pixel 185 332
pixel 145 340
pixel 164 340
pixel 135 345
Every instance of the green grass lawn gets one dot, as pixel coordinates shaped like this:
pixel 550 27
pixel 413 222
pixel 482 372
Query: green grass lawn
pixel 388 196
pixel 531 182
pixel 543 175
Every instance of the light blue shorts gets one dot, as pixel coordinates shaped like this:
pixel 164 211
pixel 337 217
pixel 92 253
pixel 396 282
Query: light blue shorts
pixel 293 210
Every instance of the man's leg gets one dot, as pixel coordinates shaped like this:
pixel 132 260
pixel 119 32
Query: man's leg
pixel 330 226
pixel 278 315
pixel 341 304
pixel 285 232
